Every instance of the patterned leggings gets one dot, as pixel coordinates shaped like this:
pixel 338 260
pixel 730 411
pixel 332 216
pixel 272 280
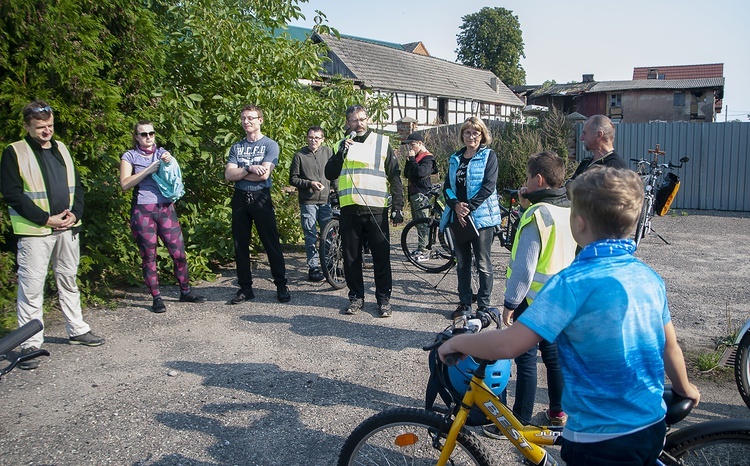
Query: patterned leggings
pixel 149 221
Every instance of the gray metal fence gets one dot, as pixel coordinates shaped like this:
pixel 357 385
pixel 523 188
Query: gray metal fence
pixel 715 178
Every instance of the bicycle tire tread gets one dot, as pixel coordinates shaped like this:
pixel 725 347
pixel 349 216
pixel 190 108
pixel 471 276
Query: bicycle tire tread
pixel 468 441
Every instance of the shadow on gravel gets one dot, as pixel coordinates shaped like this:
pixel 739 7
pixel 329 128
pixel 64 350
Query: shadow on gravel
pixel 354 332
pixel 249 434
pixel 269 380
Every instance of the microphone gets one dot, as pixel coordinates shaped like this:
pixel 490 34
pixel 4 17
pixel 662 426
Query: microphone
pixel 348 136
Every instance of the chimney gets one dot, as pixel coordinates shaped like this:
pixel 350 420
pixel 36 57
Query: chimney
pixel 493 83
pixel 588 78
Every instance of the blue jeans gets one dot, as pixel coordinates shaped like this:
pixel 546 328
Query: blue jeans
pixel 313 215
pixel 481 247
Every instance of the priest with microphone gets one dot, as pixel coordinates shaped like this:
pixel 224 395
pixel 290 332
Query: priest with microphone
pixel 367 170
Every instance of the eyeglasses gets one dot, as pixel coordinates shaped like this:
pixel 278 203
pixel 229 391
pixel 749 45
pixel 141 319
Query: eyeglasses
pixel 355 120
pixel 143 135
pixel 472 135
pixel 249 118
pixel 41 109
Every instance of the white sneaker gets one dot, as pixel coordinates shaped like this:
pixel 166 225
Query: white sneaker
pixel 420 256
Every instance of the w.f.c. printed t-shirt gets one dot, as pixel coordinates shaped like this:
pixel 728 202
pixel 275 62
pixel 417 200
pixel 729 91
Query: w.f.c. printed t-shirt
pixel 245 153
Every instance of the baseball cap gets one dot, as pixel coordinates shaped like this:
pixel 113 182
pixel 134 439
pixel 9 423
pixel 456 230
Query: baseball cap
pixel 413 137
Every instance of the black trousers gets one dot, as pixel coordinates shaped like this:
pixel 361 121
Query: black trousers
pixel 374 228
pixel 639 448
pixel 249 207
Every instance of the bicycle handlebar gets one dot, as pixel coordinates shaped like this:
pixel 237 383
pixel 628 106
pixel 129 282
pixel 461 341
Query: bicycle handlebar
pixel 19 335
pixel 485 317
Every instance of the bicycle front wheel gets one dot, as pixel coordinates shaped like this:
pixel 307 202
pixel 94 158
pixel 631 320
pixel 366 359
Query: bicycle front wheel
pixel 725 442
pixel 408 436
pixel 644 221
pixel 438 253
pixel 331 255
pixel 742 368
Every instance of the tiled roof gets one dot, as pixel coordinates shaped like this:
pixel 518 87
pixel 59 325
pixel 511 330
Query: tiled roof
pixel 387 69
pixel 712 70
pixel 610 86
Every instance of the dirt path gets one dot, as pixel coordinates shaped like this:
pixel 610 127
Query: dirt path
pixel 263 383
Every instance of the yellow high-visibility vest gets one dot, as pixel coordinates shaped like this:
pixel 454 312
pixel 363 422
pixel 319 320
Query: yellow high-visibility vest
pixel 363 180
pixel 558 246
pixel 36 190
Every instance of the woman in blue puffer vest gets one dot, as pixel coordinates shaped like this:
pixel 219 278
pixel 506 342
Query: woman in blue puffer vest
pixel 470 188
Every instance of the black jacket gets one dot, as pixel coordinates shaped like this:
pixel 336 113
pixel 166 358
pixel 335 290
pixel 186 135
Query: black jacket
pixel 418 174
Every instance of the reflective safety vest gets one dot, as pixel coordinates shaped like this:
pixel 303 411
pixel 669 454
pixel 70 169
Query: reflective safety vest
pixel 363 180
pixel 558 246
pixel 35 188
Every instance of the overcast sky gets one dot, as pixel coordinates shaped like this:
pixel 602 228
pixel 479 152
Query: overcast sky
pixel 564 40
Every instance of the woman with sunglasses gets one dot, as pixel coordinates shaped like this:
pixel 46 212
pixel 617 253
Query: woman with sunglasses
pixel 152 214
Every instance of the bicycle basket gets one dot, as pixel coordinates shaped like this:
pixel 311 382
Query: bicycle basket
pixel 666 193
pixel 451 384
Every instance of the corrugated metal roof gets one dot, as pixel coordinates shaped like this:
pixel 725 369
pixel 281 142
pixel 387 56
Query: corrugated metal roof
pixel 387 69
pixel 563 89
pixel 610 86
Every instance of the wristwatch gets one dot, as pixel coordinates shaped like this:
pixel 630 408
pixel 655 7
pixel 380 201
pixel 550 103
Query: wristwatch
pixel 247 168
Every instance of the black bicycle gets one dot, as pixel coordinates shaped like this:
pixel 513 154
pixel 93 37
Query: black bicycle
pixel 14 339
pixel 331 251
pixel 660 188
pixel 438 255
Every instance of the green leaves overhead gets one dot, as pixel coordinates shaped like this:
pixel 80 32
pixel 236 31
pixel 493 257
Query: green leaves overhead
pixel 491 39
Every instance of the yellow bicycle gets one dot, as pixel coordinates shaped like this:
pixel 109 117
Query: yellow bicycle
pixel 411 436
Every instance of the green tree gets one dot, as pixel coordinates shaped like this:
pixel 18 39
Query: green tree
pixel 188 66
pixel 491 39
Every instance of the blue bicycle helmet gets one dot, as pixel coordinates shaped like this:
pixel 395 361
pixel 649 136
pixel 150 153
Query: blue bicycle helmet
pixel 496 375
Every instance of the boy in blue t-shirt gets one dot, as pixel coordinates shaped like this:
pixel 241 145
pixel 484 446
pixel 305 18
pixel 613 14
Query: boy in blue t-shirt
pixel 608 314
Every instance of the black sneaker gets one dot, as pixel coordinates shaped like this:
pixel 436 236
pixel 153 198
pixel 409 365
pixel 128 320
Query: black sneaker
pixel 461 310
pixel 355 305
pixel 87 339
pixel 282 294
pixel 315 275
pixel 385 310
pixel 192 298
pixel 242 296
pixel 158 306
pixel 31 363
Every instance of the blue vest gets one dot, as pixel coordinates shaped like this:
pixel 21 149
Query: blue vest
pixel 488 213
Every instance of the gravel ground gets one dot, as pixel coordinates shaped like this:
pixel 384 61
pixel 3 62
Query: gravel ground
pixel 263 383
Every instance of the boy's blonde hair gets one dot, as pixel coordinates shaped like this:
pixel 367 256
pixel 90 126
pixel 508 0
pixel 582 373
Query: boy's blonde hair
pixel 610 199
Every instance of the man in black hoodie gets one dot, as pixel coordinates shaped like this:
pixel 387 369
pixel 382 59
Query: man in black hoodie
pixel 420 165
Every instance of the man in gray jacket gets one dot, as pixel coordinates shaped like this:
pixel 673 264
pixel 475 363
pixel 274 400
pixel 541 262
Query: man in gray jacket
pixel 307 174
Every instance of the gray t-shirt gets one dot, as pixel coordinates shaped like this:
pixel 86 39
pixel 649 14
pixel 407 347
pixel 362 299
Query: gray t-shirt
pixel 148 190
pixel 245 153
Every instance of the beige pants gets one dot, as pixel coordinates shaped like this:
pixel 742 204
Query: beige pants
pixel 34 254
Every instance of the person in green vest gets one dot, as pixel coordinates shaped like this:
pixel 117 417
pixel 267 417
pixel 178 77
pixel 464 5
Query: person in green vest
pixel 543 246
pixel 41 186
pixel 366 169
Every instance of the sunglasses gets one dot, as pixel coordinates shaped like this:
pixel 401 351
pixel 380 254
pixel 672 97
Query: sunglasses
pixel 41 109
pixel 150 133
